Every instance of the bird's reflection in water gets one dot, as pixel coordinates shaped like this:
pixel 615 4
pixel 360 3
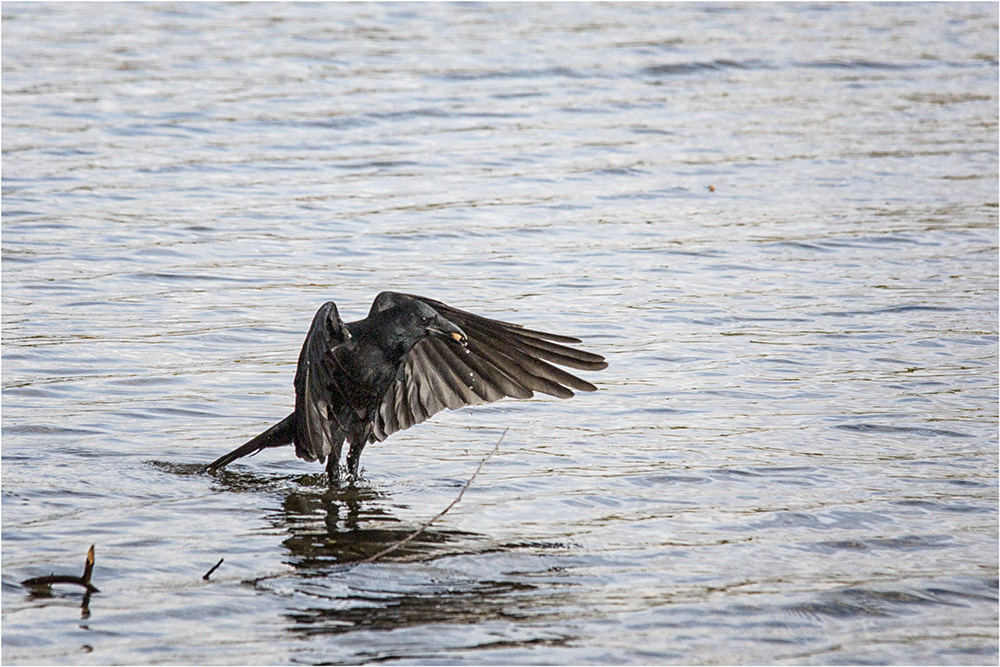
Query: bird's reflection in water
pixel 333 525
pixel 331 529
pixel 349 523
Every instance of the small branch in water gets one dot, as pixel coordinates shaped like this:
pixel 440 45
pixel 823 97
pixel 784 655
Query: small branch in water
pixel 214 568
pixel 88 565
pixel 412 536
pixel 88 568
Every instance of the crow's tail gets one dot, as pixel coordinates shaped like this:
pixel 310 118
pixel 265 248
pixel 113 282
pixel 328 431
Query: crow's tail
pixel 280 434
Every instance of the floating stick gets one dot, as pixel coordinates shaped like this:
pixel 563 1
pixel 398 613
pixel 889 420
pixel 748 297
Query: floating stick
pixel 88 568
pixel 214 568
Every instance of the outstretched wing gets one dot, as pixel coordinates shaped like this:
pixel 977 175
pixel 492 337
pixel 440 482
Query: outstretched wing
pixel 317 395
pixel 498 359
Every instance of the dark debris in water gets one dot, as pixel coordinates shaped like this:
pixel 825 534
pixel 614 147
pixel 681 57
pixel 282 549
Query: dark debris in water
pixel 43 585
pixel 214 568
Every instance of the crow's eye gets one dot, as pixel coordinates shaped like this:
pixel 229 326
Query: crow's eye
pixel 425 320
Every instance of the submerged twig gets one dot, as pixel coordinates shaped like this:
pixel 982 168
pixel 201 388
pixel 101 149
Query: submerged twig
pixel 409 538
pixel 214 568
pixel 88 568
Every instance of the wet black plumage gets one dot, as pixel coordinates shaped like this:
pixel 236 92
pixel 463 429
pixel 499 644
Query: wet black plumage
pixel 409 359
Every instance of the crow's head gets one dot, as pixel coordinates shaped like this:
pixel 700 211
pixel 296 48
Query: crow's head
pixel 415 321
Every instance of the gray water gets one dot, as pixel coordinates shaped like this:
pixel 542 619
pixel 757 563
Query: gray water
pixel 778 223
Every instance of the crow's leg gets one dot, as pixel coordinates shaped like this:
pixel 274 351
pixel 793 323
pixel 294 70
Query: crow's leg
pixel 333 470
pixel 354 458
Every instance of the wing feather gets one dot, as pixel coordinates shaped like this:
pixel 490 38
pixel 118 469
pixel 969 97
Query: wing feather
pixel 499 359
pixel 441 363
pixel 318 398
pixel 539 342
pixel 493 374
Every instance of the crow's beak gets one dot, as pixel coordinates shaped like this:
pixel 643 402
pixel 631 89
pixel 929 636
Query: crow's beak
pixel 445 328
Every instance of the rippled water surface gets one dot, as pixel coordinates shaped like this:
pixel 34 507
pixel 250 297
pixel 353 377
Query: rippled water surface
pixel 778 222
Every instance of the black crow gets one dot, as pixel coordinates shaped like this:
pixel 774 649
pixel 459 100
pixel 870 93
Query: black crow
pixel 409 359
